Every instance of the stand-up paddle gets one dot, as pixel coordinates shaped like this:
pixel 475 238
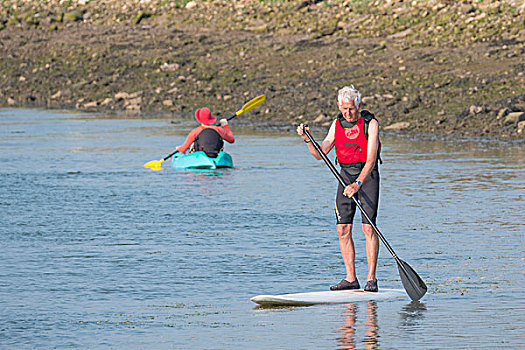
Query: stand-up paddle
pixel 248 106
pixel 414 285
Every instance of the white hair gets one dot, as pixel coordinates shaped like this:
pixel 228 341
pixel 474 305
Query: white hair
pixel 349 93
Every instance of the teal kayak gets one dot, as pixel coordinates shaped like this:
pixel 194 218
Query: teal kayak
pixel 199 160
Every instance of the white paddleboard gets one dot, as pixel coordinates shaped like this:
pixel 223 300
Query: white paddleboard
pixel 327 297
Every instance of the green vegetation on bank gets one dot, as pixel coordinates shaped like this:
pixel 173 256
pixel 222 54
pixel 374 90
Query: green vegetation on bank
pixel 436 22
pixel 435 66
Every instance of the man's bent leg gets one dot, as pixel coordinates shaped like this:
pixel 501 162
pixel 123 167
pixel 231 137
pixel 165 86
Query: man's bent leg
pixel 372 250
pixel 346 243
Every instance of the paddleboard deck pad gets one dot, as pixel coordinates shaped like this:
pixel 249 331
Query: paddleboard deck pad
pixel 327 297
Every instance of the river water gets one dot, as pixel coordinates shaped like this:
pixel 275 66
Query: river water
pixel 99 252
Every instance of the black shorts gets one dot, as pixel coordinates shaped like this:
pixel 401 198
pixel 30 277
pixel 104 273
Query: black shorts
pixel 368 195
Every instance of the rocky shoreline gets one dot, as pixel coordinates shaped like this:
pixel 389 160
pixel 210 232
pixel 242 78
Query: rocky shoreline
pixel 439 67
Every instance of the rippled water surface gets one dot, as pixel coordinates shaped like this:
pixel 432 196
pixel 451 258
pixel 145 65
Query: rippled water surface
pixel 99 252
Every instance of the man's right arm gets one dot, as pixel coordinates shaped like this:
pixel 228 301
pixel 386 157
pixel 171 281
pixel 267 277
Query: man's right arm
pixel 328 142
pixel 189 140
pixel 326 145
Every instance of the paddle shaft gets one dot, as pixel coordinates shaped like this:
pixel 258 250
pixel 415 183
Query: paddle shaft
pixel 248 106
pixel 169 156
pixel 341 181
pixel 218 123
pixel 229 118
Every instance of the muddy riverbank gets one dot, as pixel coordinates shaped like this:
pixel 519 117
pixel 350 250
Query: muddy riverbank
pixel 446 68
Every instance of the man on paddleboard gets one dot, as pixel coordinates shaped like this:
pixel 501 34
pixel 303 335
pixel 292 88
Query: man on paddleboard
pixel 355 135
pixel 207 137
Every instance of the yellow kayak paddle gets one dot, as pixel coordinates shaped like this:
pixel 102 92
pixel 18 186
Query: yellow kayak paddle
pixel 248 106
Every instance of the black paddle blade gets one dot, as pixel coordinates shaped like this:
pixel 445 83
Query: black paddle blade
pixel 414 285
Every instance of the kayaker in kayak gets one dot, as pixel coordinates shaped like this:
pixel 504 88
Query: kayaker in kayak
pixel 355 135
pixel 207 137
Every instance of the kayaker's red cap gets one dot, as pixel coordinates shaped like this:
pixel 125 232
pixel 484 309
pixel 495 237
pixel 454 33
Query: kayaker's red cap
pixel 203 116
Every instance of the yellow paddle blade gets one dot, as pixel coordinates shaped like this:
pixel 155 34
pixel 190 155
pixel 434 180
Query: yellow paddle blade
pixel 251 104
pixel 154 164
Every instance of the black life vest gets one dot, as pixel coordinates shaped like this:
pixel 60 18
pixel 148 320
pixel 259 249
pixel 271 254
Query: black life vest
pixel 209 141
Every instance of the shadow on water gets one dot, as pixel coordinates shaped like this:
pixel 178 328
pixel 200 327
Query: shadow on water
pixel 347 332
pixel 280 307
pixel 412 313
pixel 200 176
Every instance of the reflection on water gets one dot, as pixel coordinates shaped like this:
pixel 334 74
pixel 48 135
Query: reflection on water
pixel 346 336
pixel 347 332
pixel 201 175
pixel 372 329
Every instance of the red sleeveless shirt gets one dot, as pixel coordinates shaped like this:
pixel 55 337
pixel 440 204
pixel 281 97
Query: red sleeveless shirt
pixel 351 144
